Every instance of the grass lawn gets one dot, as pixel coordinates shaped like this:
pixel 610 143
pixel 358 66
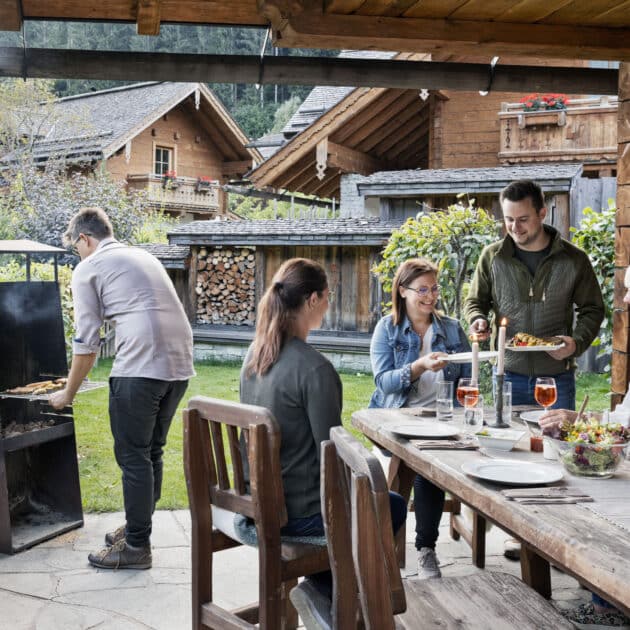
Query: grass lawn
pixel 100 477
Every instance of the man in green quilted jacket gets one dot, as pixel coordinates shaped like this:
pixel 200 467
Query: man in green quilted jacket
pixel 542 285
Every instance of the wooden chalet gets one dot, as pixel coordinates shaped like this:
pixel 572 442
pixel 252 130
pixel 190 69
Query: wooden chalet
pixel 338 131
pixel 232 263
pixel 174 141
pixel 447 30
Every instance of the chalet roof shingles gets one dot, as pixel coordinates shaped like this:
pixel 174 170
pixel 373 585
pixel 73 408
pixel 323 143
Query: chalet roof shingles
pixel 171 256
pixel 96 124
pixel 552 178
pixel 350 231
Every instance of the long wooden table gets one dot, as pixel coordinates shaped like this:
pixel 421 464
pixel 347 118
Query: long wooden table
pixel 594 549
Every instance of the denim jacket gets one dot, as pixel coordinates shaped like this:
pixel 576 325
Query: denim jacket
pixel 394 348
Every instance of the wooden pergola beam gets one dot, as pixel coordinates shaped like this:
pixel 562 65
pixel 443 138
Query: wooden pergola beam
pixel 148 20
pixel 137 66
pixel 313 29
pixel 10 15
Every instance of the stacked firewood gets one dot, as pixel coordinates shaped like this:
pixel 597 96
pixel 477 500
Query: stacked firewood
pixel 226 286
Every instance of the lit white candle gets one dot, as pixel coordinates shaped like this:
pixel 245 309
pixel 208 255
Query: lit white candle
pixel 475 359
pixel 501 347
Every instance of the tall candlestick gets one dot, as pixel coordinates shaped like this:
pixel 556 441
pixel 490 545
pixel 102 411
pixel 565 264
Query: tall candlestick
pixel 475 360
pixel 501 347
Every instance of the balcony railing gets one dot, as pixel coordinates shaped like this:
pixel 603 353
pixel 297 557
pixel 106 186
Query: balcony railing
pixel 181 193
pixel 586 131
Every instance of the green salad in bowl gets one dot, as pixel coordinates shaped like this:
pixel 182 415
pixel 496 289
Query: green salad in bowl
pixel 590 449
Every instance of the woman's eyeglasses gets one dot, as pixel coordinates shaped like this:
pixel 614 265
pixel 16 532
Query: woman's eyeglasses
pixel 424 291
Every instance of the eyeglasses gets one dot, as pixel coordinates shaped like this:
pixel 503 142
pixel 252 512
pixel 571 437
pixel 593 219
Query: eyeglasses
pixel 73 247
pixel 424 291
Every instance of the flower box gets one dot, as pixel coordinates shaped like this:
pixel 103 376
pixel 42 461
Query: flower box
pixel 533 118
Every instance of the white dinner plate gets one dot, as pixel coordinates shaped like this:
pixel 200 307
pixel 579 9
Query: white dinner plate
pixel 513 472
pixel 423 429
pixel 534 348
pixel 466 357
pixel 532 416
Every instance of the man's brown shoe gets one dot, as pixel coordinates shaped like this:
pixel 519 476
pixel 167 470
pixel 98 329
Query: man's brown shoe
pixel 111 538
pixel 121 555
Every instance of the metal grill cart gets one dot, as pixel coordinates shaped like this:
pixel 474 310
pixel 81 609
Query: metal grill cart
pixel 40 495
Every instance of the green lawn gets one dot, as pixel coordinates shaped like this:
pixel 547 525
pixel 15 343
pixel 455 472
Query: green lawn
pixel 100 476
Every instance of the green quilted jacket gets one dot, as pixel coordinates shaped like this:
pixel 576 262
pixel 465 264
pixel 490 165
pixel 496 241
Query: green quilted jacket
pixel 543 305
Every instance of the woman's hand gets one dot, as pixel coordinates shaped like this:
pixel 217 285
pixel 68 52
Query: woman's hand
pixel 432 362
pixel 555 418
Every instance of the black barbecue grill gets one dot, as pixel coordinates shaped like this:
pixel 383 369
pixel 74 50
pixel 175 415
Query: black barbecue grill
pixel 40 495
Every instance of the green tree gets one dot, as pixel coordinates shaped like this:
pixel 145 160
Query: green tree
pixel 452 239
pixel 596 236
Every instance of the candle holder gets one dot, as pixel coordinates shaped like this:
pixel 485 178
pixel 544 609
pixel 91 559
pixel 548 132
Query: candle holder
pixel 499 420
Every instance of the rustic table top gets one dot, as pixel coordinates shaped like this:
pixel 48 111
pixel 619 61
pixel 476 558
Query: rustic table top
pixel 594 549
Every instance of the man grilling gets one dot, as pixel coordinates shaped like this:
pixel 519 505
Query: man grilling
pixel 129 287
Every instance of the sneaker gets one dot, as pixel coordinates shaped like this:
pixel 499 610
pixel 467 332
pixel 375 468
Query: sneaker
pixel 586 618
pixel 313 607
pixel 122 555
pixel 428 564
pixel 111 538
pixel 512 549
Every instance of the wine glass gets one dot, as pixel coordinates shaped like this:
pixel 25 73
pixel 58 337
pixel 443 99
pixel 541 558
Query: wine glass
pixel 545 391
pixel 467 387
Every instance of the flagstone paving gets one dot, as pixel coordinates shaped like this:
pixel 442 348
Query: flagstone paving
pixel 52 587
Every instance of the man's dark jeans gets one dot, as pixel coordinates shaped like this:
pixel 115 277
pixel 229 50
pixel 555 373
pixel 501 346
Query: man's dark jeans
pixel 140 414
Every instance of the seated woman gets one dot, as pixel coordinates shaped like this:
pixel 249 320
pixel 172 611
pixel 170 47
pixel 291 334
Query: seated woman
pixel 301 388
pixel 407 353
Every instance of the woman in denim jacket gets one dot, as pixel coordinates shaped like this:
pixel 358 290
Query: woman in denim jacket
pixel 407 354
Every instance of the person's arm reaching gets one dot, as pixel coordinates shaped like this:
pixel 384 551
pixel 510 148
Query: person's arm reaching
pixel 81 366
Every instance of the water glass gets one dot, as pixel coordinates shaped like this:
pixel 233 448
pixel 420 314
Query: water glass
pixel 473 412
pixel 444 401
pixel 507 402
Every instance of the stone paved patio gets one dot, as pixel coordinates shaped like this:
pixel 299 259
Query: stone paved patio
pixel 52 587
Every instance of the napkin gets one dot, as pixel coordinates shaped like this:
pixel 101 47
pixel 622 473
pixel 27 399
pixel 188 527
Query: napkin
pixel 466 445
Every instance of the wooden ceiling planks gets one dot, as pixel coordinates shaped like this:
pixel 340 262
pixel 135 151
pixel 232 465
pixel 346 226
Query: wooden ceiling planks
pixel 407 109
pixel 596 12
pixel 532 10
pixel 433 8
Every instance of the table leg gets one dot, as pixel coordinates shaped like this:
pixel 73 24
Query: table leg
pixel 535 571
pixel 400 479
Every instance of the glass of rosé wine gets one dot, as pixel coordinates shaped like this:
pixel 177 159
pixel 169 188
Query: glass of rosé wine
pixel 545 391
pixel 467 387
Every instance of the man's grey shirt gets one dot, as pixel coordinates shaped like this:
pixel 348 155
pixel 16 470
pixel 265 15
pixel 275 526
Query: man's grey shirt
pixel 130 288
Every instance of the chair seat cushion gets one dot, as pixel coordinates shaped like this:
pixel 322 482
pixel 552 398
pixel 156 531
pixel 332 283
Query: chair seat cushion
pixel 486 600
pixel 239 527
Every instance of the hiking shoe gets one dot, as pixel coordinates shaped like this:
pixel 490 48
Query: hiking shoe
pixel 313 607
pixel 111 538
pixel 428 564
pixel 122 555
pixel 586 618
pixel 512 549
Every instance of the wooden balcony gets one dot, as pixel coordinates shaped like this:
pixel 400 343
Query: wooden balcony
pixel 584 132
pixel 183 194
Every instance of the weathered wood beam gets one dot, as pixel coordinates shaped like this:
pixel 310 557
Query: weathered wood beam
pixel 352 161
pixel 148 20
pixel 10 15
pixel 135 66
pixel 312 29
pixel 236 168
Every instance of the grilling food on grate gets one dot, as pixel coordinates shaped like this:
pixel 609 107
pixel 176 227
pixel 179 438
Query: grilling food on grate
pixel 40 387
pixel 523 339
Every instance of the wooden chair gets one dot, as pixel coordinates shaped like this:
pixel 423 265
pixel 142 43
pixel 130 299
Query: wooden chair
pixel 207 423
pixel 355 505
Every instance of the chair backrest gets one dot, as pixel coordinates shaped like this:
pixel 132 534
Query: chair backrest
pixel 357 518
pixel 214 479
